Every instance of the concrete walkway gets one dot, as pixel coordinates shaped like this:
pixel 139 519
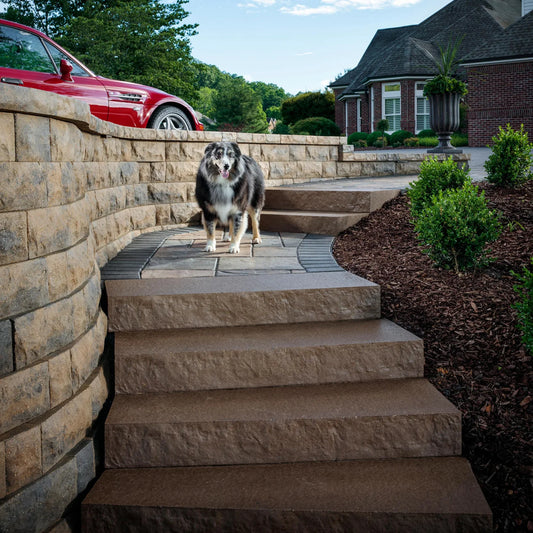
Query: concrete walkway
pixel 179 253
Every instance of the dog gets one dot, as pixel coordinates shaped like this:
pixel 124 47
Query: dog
pixel 229 186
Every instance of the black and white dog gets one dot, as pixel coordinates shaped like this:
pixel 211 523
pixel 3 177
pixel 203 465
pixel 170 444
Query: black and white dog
pixel 229 185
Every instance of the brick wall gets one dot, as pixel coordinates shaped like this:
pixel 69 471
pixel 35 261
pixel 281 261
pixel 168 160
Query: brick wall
pixel 499 95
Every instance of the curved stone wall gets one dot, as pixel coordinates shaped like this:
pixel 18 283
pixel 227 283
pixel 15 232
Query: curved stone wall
pixel 74 191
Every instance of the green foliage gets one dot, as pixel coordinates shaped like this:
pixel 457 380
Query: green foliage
pixel 400 136
pixel 435 176
pixel 443 84
pixel 426 133
pixel 281 129
pixel 271 95
pixel 361 143
pixel 446 64
pixel 411 141
pixel 238 107
pixel 205 104
pixel 459 139
pixel 315 126
pixel 273 112
pixel 383 125
pixel 375 136
pixel 525 305
pixel 306 105
pixel 428 142
pixel 357 136
pixel 456 227
pixel 381 142
pixel 509 165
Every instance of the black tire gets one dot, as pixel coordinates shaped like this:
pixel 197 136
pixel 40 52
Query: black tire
pixel 170 118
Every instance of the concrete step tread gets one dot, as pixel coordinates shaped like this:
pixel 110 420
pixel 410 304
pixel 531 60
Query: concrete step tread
pixel 409 397
pixel 270 336
pixel 170 303
pixel 408 488
pixel 309 213
pixel 233 284
pixel 265 356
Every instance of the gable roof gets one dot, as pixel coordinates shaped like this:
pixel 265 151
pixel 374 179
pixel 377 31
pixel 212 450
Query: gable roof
pixel 516 42
pixel 406 52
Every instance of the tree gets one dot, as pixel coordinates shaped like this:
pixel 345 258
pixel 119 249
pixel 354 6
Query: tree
pixel 238 107
pixel 271 95
pixel 306 105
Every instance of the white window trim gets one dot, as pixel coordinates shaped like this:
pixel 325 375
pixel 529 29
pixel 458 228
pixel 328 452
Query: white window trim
pixel 390 95
pixel 418 94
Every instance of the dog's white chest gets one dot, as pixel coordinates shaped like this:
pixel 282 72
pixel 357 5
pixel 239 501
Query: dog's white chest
pixel 222 203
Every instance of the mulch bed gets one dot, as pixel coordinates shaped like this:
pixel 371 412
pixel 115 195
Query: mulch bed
pixel 473 349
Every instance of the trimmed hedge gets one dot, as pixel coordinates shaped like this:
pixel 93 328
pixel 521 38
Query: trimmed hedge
pixel 315 126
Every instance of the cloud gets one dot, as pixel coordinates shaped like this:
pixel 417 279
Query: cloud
pixel 305 54
pixel 258 3
pixel 330 7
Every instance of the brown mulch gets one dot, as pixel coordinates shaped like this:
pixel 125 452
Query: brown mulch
pixel 473 349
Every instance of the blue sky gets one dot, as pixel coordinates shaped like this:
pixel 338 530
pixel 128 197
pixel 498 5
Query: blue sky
pixel 300 45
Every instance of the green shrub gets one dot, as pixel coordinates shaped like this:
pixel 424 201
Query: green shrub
pixel 525 306
pixel 361 143
pixel 510 163
pixel 400 136
pixel 374 136
pixel 357 136
pixel 281 129
pixel 411 141
pixel 456 227
pixel 315 126
pixel 380 142
pixel 307 105
pixel 428 142
pixel 435 176
pixel 427 133
pixel 459 139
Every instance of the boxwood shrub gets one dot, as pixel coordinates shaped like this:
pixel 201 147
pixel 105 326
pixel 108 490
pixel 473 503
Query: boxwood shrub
pixel 434 176
pixel 357 136
pixel 400 136
pixel 456 227
pixel 315 126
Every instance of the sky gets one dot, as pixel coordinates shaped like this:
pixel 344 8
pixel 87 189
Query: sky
pixel 299 45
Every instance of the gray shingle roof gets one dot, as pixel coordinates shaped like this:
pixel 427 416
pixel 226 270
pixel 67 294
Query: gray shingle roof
pixel 514 43
pixel 406 51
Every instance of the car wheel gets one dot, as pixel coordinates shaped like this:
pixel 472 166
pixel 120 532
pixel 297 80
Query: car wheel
pixel 169 118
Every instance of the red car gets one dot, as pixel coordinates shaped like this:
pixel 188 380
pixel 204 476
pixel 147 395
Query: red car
pixel 29 58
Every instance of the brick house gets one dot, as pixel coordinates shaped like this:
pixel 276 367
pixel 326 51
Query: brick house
pixel 389 79
pixel 500 82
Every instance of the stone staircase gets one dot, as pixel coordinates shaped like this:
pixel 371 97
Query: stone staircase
pixel 274 403
pixel 317 210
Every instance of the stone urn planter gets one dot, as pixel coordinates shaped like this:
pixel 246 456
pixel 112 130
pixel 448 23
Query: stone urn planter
pixel 444 118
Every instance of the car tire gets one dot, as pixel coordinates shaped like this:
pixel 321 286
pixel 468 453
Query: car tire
pixel 170 118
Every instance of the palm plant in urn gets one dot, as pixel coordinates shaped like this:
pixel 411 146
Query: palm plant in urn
pixel 444 93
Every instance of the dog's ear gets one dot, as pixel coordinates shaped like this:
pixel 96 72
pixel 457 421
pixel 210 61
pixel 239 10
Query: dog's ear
pixel 236 149
pixel 209 148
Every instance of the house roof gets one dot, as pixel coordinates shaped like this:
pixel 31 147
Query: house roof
pixel 407 51
pixel 516 42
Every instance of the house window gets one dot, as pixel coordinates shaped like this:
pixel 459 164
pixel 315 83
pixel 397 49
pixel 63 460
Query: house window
pixel 422 109
pixel 392 105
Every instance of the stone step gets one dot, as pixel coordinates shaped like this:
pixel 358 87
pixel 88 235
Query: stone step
pixel 262 356
pixel 318 222
pixel 402 496
pixel 165 303
pixel 334 422
pixel 340 199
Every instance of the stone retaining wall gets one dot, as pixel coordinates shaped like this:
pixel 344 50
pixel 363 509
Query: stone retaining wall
pixel 74 191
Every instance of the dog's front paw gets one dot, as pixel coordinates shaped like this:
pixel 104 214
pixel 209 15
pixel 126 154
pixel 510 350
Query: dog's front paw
pixel 257 240
pixel 234 248
pixel 211 246
pixel 226 237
